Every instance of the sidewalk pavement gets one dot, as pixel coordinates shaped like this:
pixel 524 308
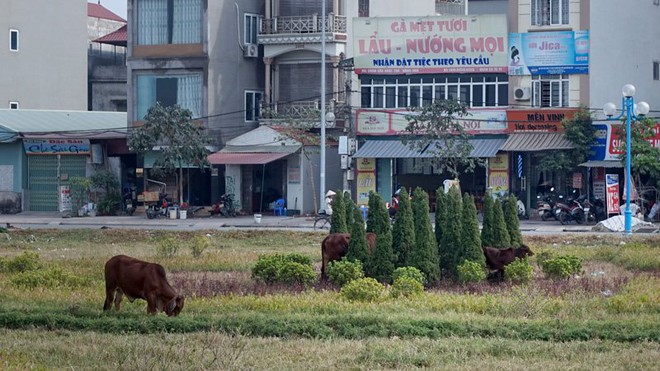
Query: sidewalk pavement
pixel 203 221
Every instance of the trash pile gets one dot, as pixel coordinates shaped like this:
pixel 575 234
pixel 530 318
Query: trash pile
pixel 616 224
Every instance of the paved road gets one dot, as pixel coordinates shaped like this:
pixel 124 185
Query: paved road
pixel 139 221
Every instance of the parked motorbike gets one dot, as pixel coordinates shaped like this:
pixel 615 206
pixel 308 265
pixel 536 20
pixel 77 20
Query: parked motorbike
pixel 129 201
pixel 224 206
pixel 158 209
pixel 573 210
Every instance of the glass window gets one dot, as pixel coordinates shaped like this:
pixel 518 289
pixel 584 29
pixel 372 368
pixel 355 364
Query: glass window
pixel 414 96
pixel 427 95
pixel 549 12
pixel 478 95
pixel 403 96
pixel 390 97
pixel 440 92
pixel 656 71
pixel 251 28
pixel 169 22
pixel 252 105
pixel 13 40
pixel 363 8
pixel 13 105
pixel 366 97
pixel 464 94
pixel 550 91
pixel 378 97
pixel 184 90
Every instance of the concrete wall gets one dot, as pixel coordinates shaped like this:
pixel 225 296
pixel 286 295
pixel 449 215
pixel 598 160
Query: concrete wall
pixel 488 7
pixel 108 87
pixel 49 70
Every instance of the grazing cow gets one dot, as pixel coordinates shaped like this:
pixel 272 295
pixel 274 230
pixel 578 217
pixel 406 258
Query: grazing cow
pixel 497 259
pixel 138 279
pixel 335 246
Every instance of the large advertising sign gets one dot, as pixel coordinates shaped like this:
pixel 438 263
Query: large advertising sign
pixel 56 146
pixel 545 120
pixel 608 146
pixel 549 53
pixel 612 185
pixel 393 122
pixel 442 44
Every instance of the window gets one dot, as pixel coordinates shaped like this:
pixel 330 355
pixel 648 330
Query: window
pixel 550 91
pixel 13 105
pixel 13 40
pixel 252 105
pixel 184 90
pixel 363 8
pixel 478 90
pixel 251 28
pixel 169 22
pixel 549 12
pixel 656 71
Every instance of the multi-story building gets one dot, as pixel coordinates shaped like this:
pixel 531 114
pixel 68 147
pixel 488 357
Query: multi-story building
pixel 43 49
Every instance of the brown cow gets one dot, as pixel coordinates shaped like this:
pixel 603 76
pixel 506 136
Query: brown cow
pixel 335 246
pixel 138 279
pixel 497 259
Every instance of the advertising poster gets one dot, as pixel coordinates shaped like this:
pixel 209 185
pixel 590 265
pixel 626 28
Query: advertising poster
pixel 549 53
pixel 498 182
pixel 608 146
pixel 612 187
pixel 366 182
pixel 65 199
pixel 435 44
pixel 393 122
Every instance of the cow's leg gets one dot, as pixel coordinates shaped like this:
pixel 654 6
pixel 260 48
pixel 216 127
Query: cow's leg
pixel 118 299
pixel 109 296
pixel 152 303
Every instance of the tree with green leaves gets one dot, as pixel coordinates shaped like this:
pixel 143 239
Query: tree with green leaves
pixel 501 237
pixel 487 236
pixel 338 216
pixel 470 238
pixel 357 246
pixel 181 141
pixel 437 129
pixel 645 157
pixel 579 130
pixel 381 265
pixel 424 255
pixel 403 234
pixel 511 220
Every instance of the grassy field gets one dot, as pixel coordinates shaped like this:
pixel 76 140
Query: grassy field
pixel 607 318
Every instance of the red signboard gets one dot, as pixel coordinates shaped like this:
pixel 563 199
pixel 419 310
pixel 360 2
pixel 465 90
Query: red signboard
pixel 615 145
pixel 613 202
pixel 540 120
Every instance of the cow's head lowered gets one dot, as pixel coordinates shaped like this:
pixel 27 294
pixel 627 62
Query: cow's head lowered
pixel 174 306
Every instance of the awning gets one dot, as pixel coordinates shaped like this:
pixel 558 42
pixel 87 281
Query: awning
pixel 245 158
pixel 386 149
pixel 607 164
pixel 532 142
pixel 481 148
pixel 151 157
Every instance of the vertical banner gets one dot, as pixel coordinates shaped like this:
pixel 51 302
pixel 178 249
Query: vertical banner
pixel 65 199
pixel 612 187
pixel 498 173
pixel 599 182
pixel 366 179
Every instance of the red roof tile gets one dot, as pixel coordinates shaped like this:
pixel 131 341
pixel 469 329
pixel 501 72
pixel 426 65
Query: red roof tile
pixel 99 11
pixel 118 37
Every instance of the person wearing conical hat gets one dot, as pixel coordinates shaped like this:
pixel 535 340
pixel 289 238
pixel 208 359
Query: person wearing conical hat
pixel 328 201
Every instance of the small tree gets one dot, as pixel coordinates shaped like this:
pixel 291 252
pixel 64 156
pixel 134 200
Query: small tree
pixel 500 233
pixel 452 234
pixel 512 223
pixel 471 238
pixel 338 217
pixel 579 130
pixel 182 141
pixel 487 238
pixel 644 155
pixel 403 234
pixel 357 246
pixel 349 205
pixel 371 213
pixel 424 255
pixel 440 219
pixel 382 262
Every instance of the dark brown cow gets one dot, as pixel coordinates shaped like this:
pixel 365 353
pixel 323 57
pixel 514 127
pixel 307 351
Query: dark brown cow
pixel 138 279
pixel 335 246
pixel 497 259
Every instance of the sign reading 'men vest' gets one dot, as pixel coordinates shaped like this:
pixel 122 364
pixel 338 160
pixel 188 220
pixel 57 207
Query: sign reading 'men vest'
pixel 443 44
pixel 56 146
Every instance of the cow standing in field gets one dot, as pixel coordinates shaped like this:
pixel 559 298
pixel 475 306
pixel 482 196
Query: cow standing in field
pixel 497 259
pixel 335 246
pixel 138 279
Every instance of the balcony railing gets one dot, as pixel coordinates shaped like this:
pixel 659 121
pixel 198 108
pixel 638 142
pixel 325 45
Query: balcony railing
pixel 301 112
pixel 302 24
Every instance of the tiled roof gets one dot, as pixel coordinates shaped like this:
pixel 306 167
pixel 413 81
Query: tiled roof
pixel 119 37
pixel 99 11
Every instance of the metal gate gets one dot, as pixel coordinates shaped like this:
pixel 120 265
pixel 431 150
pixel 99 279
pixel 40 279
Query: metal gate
pixel 43 183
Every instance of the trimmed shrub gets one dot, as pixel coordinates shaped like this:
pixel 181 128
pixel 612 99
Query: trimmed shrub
pixel 338 217
pixel 27 261
pixel 279 268
pixel 409 272
pixel 344 271
pixel 349 205
pixel 562 267
pixel 363 289
pixel 49 278
pixel 487 223
pixel 381 264
pixel 198 245
pixel 500 233
pixel 403 233
pixel 452 233
pixel 425 253
pixel 168 247
pixel 512 222
pixel 406 286
pixel 519 271
pixel 357 246
pixel 471 271
pixel 471 236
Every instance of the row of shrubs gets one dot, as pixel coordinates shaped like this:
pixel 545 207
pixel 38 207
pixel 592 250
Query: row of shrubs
pixel 29 272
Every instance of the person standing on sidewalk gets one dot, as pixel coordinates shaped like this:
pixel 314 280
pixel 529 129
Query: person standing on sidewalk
pixel 329 196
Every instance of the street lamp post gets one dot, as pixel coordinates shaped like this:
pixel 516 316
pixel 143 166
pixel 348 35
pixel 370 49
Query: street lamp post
pixel 323 118
pixel 631 111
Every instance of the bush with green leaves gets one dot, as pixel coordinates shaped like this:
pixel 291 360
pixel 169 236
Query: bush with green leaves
pixel 406 286
pixel 519 271
pixel 28 261
pixel 470 271
pixel 344 271
pixel 409 272
pixel 363 289
pixel 562 267
pixel 198 245
pixel 48 278
pixel 168 247
pixel 281 268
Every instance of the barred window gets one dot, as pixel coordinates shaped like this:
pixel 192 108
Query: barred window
pixel 550 91
pixel 549 12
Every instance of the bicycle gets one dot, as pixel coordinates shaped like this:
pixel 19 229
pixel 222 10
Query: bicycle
pixel 322 221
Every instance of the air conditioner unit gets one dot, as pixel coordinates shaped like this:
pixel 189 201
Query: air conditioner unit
pixel 522 93
pixel 251 51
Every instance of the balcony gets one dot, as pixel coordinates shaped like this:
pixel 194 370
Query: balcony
pixel 302 29
pixel 301 112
